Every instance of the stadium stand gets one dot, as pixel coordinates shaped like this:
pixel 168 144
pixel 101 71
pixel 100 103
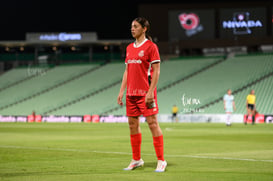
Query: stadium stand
pixel 96 104
pixel 19 75
pixel 213 83
pixel 40 84
pixel 179 68
pixel 75 90
pixel 174 71
pixel 69 91
pixel 264 98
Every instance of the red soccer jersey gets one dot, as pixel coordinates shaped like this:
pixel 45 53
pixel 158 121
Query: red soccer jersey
pixel 139 60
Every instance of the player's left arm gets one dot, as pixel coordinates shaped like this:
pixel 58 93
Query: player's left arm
pixel 156 72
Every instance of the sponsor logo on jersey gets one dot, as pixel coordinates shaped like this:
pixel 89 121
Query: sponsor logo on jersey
pixel 134 61
pixel 141 53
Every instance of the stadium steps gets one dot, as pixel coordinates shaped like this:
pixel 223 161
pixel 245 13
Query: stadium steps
pixel 175 82
pixel 264 99
pixel 98 103
pixel 246 72
pixel 262 86
pixel 20 75
pixel 96 98
pixel 195 73
pixel 213 83
pixel 82 89
pixel 82 98
pixel 51 87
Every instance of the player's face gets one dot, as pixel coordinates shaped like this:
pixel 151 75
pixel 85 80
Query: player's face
pixel 137 30
pixel 229 92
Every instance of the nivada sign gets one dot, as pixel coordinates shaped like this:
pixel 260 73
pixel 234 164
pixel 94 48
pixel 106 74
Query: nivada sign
pixel 244 22
pixel 241 23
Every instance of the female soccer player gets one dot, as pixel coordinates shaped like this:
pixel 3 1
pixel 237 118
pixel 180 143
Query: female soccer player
pixel 140 77
pixel 229 105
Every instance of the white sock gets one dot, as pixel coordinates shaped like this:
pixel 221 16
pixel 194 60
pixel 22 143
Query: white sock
pixel 228 119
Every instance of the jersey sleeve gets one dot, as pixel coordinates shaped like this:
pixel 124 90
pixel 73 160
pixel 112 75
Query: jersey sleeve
pixel 225 97
pixel 154 54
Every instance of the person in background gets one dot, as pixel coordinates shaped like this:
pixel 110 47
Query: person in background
pixel 174 113
pixel 229 106
pixel 251 106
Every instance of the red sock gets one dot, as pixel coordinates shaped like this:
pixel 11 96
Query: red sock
pixel 136 146
pixel 158 145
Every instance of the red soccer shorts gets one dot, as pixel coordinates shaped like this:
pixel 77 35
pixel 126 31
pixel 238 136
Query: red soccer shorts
pixel 136 106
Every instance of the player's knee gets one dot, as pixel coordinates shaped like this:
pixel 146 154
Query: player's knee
pixel 133 126
pixel 153 125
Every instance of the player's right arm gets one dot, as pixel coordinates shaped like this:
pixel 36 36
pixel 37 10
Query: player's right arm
pixel 122 87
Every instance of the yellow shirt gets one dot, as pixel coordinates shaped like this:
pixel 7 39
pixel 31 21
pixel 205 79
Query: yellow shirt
pixel 251 99
pixel 175 109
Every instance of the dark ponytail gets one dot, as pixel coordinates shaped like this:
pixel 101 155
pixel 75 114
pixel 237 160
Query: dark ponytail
pixel 144 23
pixel 149 37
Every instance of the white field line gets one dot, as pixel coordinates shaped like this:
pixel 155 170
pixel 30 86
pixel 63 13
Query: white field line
pixel 125 153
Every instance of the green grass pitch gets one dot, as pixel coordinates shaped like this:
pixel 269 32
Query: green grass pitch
pixel 100 151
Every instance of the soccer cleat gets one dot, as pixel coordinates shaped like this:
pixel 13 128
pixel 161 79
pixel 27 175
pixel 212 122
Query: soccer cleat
pixel 228 124
pixel 161 166
pixel 134 164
